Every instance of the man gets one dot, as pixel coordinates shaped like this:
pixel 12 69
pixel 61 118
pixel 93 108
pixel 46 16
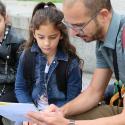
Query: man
pixel 92 20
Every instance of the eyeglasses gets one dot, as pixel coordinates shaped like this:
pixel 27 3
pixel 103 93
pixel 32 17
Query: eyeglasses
pixel 76 28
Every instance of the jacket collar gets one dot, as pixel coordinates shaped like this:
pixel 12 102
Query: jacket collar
pixel 112 31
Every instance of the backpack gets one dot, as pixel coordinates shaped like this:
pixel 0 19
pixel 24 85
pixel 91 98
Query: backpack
pixel 61 71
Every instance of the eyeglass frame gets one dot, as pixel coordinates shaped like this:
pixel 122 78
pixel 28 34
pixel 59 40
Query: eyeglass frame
pixel 79 28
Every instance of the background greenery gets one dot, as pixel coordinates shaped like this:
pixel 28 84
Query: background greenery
pixel 54 1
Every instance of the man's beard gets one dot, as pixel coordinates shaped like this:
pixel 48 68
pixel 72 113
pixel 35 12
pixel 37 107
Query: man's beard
pixel 98 35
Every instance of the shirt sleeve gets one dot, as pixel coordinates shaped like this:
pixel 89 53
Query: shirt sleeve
pixel 100 60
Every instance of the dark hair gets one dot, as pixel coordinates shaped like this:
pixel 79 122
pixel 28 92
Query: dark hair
pixel 95 6
pixel 44 13
pixel 2 9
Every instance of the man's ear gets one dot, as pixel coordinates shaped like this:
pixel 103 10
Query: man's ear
pixel 104 14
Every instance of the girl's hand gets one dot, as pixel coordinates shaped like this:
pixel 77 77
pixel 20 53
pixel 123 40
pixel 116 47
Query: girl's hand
pixel 52 108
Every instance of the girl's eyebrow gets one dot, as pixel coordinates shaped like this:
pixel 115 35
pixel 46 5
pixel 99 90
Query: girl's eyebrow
pixel 54 34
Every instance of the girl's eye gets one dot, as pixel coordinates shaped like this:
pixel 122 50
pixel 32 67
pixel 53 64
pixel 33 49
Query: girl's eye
pixel 52 37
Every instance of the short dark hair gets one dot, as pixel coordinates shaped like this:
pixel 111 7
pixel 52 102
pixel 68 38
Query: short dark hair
pixel 93 6
pixel 96 5
pixel 2 9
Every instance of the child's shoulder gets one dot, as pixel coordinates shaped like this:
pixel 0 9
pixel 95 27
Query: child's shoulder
pixel 73 60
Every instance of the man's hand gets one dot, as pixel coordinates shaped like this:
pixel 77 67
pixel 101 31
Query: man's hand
pixel 47 118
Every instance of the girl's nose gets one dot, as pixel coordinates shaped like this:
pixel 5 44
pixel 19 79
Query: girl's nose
pixel 46 42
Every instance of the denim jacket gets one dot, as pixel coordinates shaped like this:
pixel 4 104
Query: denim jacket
pixel 55 96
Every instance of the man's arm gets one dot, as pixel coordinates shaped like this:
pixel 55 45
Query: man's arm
pixel 91 97
pixel 112 120
pixel 55 118
pixel 81 104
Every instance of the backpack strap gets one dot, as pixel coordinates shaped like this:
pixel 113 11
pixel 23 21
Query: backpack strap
pixel 115 64
pixel 29 65
pixel 61 76
pixel 116 71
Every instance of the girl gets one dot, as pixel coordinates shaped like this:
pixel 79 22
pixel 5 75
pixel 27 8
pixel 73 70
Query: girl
pixel 50 44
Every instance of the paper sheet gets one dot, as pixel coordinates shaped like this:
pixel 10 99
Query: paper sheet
pixel 16 111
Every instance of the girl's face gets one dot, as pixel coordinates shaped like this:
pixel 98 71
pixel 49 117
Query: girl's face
pixel 2 25
pixel 47 37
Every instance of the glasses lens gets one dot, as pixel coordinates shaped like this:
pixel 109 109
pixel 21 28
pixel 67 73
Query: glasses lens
pixel 70 26
pixel 66 24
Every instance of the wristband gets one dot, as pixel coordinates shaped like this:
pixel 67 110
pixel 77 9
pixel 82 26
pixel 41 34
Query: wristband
pixel 71 122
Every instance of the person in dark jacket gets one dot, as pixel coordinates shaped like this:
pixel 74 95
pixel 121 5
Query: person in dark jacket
pixel 9 44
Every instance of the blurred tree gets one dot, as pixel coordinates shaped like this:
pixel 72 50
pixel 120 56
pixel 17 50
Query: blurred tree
pixel 54 1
